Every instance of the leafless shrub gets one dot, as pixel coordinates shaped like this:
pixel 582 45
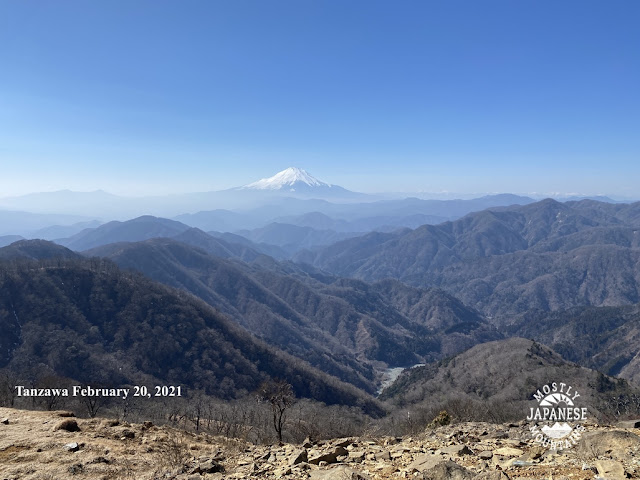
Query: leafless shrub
pixel 174 454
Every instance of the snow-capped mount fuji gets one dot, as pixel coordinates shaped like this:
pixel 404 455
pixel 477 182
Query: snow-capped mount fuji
pixel 288 179
pixel 297 182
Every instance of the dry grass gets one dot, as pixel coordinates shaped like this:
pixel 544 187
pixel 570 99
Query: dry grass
pixel 31 448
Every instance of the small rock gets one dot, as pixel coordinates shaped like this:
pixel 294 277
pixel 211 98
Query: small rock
pixel 76 469
pixel 210 466
pixel 5 421
pixel 283 471
pixel 458 450
pixel 486 455
pixel 356 456
pixel 508 452
pixel 72 447
pixel 447 471
pixel 536 452
pixel 384 455
pixel 342 442
pixel 101 460
pixel 495 475
pixel 128 434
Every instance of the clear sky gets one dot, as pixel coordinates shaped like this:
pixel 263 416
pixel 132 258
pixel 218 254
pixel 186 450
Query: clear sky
pixel 162 96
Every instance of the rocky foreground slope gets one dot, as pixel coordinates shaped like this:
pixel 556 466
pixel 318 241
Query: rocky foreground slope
pixel 52 445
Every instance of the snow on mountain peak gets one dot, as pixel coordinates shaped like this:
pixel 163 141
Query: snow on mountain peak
pixel 287 179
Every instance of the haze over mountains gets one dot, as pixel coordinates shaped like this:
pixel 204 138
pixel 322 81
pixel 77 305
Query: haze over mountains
pixel 291 192
pixel 326 288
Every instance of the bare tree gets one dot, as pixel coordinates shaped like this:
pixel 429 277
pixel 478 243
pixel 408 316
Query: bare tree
pixel 279 394
pixel 93 403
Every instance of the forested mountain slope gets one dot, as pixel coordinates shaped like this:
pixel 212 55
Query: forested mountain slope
pixel 345 327
pixel 603 338
pixel 547 256
pixel 501 377
pixel 89 321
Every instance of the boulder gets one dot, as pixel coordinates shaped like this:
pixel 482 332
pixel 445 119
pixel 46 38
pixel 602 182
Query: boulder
pixel 425 462
pixel 383 456
pixel 614 443
pixel 331 457
pixel 610 469
pixel 298 456
pixel 341 472
pixel 458 450
pixel 447 471
pixel 629 424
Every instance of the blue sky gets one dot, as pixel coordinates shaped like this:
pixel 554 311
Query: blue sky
pixel 164 96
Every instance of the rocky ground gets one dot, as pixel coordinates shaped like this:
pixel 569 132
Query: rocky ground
pixel 54 445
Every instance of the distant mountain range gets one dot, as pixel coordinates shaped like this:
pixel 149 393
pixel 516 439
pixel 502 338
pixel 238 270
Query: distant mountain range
pixel 25 223
pixel 505 261
pixel 388 215
pixel 290 192
pixel 265 211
